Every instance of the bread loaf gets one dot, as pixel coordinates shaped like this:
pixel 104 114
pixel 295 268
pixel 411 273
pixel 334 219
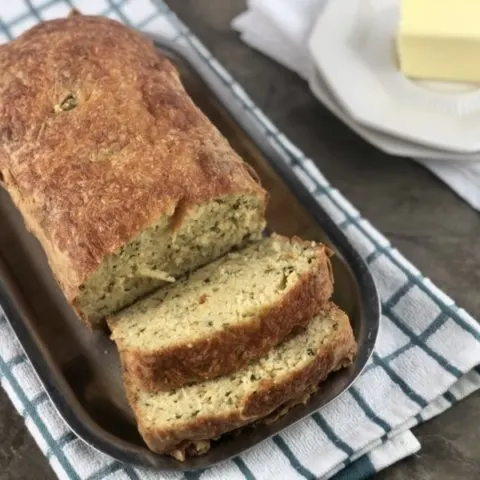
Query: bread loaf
pixel 124 182
pixel 224 314
pixel 209 409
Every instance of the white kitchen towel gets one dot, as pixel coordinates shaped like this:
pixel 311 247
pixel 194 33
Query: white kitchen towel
pixel 280 29
pixel 427 356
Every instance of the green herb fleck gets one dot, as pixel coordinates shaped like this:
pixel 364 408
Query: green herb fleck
pixel 68 103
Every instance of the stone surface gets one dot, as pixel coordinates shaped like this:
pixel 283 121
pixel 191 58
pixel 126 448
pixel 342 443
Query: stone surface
pixel 20 458
pixel 423 218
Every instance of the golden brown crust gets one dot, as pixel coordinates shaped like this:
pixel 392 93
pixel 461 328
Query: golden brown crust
pixel 234 347
pixel 337 354
pixel 98 139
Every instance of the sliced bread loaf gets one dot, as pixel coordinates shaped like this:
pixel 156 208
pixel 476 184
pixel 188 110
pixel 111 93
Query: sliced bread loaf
pixel 224 314
pixel 207 410
pixel 113 167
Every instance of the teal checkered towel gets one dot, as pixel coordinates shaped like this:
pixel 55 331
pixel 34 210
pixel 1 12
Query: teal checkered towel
pixel 427 356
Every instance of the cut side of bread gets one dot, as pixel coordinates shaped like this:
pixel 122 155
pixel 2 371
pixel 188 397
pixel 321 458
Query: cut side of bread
pixel 223 315
pixel 161 253
pixel 204 411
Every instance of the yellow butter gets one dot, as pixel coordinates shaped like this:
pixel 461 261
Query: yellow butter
pixel 440 40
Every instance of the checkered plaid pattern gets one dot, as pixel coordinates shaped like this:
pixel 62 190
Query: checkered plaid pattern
pixel 426 359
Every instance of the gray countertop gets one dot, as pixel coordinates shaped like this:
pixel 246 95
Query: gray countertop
pixel 424 219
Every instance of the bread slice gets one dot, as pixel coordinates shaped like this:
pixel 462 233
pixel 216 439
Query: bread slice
pixel 207 410
pixel 223 315
pixel 123 180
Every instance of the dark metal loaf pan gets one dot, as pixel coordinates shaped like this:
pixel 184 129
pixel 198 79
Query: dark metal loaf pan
pixel 80 369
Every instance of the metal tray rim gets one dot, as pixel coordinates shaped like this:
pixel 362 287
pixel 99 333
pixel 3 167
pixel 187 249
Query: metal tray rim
pixel 51 378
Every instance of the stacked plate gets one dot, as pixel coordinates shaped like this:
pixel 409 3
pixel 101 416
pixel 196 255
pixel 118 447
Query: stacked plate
pixel 356 76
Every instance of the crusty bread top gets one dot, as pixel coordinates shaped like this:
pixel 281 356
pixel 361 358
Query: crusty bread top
pixel 98 139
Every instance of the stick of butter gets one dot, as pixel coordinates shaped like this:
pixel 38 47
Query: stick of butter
pixel 440 40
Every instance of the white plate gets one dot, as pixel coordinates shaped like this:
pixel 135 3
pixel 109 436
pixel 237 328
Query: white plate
pixel 387 143
pixel 462 177
pixel 352 45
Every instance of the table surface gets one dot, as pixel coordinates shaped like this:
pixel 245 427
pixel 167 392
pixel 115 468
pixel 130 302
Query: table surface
pixel 422 218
